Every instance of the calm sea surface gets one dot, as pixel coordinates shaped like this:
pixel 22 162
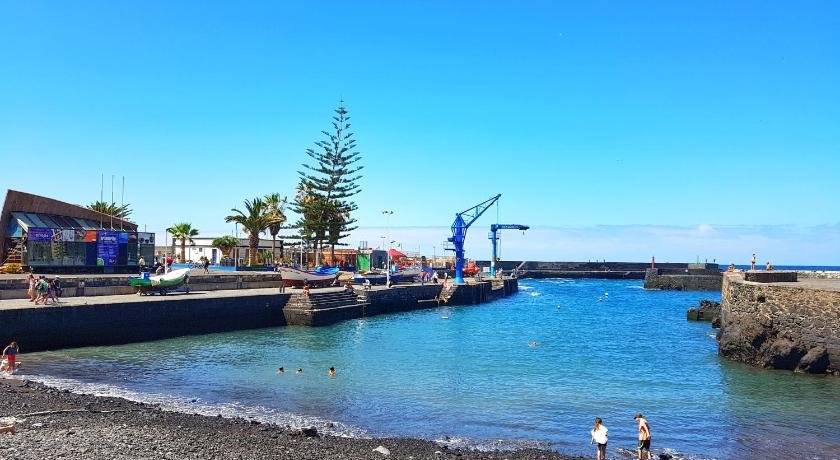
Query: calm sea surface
pixel 475 378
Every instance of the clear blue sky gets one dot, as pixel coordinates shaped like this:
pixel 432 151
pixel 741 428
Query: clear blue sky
pixel 584 114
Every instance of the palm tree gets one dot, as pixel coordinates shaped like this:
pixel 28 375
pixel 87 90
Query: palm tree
pixel 275 206
pixel 225 244
pixel 254 220
pixel 183 231
pixel 111 209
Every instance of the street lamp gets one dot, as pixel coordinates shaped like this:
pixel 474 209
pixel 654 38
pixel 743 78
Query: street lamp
pixel 388 215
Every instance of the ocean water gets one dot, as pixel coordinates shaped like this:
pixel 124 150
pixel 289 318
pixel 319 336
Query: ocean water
pixel 471 376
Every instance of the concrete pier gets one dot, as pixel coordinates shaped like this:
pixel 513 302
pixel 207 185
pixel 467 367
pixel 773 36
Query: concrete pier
pixel 119 319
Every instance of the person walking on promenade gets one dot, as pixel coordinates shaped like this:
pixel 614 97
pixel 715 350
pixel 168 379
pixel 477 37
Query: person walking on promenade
pixel 31 291
pixel 10 355
pixel 206 265
pixel 142 264
pixel 282 283
pixel 752 263
pixel 644 436
pixel 41 287
pixel 599 437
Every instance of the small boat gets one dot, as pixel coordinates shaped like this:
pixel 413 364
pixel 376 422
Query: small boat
pixel 373 277
pixel 292 277
pixel 161 284
pixel 409 274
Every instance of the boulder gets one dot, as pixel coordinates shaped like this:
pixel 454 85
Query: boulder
pixel 741 341
pixel 782 354
pixel 814 362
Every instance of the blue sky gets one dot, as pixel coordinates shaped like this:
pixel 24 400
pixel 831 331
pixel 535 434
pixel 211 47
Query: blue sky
pixel 591 118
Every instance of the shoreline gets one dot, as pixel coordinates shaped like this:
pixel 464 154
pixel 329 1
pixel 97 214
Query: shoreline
pixel 53 423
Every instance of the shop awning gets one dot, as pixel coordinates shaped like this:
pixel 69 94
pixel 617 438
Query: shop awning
pixel 396 254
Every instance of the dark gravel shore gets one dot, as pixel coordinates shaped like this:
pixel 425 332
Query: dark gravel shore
pixel 53 423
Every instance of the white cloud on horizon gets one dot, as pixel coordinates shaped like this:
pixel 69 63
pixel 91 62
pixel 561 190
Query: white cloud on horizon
pixel 782 244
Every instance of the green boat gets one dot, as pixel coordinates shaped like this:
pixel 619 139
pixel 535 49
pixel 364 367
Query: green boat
pixel 161 284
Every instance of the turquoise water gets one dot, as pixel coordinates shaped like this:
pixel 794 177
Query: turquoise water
pixel 475 378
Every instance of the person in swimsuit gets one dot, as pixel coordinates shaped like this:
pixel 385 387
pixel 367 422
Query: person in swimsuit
pixel 644 436
pixel 599 437
pixel 331 372
pixel 10 355
pixel 31 290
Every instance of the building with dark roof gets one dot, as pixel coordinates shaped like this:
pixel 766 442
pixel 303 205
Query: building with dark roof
pixel 50 235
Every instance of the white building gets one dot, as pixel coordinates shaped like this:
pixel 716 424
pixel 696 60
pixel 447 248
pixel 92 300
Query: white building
pixel 203 247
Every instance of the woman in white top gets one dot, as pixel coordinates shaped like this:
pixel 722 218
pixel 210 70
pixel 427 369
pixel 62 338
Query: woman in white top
pixel 599 437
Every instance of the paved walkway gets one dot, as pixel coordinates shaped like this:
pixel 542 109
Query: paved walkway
pixel 801 283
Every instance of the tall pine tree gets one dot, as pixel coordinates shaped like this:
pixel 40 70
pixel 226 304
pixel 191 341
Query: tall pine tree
pixel 325 190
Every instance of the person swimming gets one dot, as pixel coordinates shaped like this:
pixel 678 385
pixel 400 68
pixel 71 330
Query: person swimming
pixel 299 371
pixel 331 372
pixel 281 370
pixel 533 344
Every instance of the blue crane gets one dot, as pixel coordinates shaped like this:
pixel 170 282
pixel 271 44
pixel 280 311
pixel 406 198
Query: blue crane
pixel 463 220
pixel 494 238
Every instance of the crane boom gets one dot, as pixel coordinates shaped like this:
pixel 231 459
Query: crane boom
pixel 495 239
pixel 459 232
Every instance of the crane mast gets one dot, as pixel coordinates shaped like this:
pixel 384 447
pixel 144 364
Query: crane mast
pixel 463 220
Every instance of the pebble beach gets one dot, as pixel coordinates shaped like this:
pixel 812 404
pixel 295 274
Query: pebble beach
pixel 54 423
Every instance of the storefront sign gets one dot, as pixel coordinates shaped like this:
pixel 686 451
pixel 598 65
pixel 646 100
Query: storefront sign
pixel 40 234
pixel 108 247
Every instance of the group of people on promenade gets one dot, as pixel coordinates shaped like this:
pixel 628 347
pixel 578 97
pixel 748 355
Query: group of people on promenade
pixel 599 437
pixel 732 268
pixel 41 290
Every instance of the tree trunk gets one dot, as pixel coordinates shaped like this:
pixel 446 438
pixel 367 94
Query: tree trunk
pixel 273 243
pixel 332 255
pixel 183 250
pixel 317 252
pixel 254 244
pixel 282 256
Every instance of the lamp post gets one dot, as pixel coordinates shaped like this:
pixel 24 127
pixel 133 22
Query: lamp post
pixel 387 215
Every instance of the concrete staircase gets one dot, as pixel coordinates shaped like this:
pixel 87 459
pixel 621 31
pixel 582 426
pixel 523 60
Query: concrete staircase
pixel 325 306
pixel 323 300
pixel 15 253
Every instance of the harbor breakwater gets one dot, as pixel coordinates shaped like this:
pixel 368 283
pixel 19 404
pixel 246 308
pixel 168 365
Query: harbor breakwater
pixel 669 276
pixel 112 320
pixel 768 320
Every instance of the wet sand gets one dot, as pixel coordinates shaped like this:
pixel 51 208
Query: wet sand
pixel 55 423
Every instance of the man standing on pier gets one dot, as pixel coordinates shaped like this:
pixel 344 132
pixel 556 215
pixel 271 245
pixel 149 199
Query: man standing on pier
pixel 752 263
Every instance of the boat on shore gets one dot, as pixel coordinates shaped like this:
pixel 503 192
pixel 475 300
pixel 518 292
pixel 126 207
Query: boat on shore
pixel 292 277
pixel 161 284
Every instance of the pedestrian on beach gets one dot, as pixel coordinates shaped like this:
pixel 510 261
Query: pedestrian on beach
pixel 752 263
pixel 599 437
pixel 644 436
pixel 10 357
pixel 31 291
pixel 435 277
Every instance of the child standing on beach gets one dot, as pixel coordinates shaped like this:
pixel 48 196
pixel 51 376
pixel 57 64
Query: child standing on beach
pixel 10 356
pixel 599 437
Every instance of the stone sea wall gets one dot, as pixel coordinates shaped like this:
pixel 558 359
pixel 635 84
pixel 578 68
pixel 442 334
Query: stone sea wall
pixel 140 320
pixel 780 326
pixel 692 281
